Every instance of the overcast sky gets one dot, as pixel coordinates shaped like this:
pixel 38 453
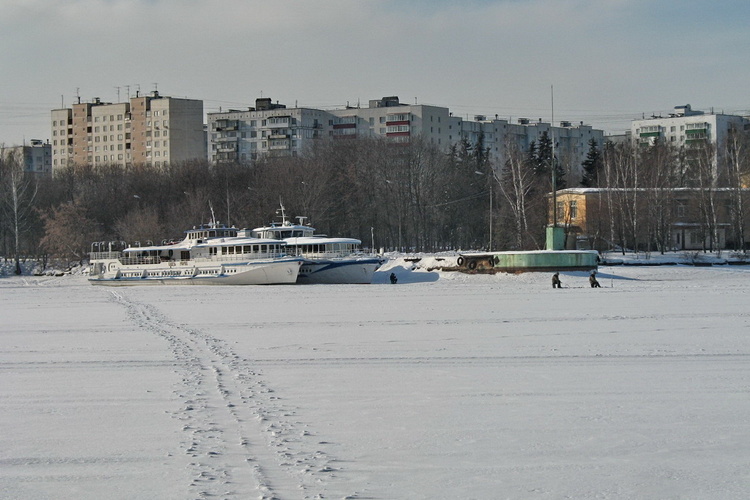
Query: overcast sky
pixel 609 61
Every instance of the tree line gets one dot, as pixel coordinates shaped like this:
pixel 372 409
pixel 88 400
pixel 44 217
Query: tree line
pixel 409 197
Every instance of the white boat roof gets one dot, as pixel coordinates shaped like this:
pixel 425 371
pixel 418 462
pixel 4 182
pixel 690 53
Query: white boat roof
pixel 187 244
pixel 316 240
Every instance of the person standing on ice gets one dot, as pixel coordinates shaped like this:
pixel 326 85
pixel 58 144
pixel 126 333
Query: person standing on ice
pixel 394 279
pixel 556 281
pixel 592 280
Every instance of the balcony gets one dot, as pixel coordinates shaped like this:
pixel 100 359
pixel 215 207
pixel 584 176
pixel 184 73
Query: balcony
pixel 279 144
pixel 279 122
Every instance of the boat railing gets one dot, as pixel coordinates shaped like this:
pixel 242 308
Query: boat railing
pixel 139 260
pixel 104 255
pixel 242 257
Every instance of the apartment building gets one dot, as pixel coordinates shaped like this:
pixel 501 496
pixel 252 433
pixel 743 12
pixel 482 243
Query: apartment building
pixel 150 130
pixel 272 129
pixel 268 129
pixel 36 157
pixel 687 128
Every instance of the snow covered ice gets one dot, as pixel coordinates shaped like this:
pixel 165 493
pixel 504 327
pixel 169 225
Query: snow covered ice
pixel 444 386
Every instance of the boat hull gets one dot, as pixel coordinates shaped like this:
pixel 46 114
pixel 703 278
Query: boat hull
pixel 277 272
pixel 345 271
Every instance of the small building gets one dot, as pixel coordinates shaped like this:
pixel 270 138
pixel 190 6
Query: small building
pixel 652 219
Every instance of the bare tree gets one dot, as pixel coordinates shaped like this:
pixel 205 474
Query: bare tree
pixel 736 151
pixel 18 195
pixel 69 232
pixel 705 170
pixel 516 184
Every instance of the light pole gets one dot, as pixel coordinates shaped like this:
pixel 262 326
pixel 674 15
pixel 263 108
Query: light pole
pixel 398 212
pixel 489 186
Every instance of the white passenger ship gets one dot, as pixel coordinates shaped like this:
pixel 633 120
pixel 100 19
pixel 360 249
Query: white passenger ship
pixel 325 260
pixel 209 255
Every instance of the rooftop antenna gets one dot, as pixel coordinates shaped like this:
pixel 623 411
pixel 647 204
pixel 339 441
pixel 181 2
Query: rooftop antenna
pixel 127 91
pixel 156 87
pixel 78 94
pixel 118 94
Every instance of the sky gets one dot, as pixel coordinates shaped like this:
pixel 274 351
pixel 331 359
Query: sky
pixel 603 62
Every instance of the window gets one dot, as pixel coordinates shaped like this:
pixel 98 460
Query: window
pixel 573 210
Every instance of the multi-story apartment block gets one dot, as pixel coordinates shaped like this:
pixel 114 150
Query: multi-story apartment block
pixel 688 128
pixel 389 118
pixel 152 130
pixel 268 129
pixel 272 129
pixel 35 157
pixel 571 141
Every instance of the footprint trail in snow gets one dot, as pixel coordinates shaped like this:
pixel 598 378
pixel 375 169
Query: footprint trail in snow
pixel 241 439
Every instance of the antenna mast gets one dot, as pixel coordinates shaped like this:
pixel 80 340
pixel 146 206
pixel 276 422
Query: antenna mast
pixel 554 169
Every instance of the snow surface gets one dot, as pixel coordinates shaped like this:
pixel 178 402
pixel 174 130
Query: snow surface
pixel 444 386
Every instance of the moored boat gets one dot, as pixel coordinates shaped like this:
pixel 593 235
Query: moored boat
pixel 211 254
pixel 326 260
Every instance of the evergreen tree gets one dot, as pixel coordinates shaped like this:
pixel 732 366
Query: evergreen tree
pixel 543 160
pixel 543 163
pixel 591 166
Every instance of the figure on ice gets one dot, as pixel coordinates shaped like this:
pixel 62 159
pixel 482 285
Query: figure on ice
pixel 556 281
pixel 592 280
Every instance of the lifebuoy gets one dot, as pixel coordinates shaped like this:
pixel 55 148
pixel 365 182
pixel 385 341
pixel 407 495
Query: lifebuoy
pixel 460 261
pixel 472 265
